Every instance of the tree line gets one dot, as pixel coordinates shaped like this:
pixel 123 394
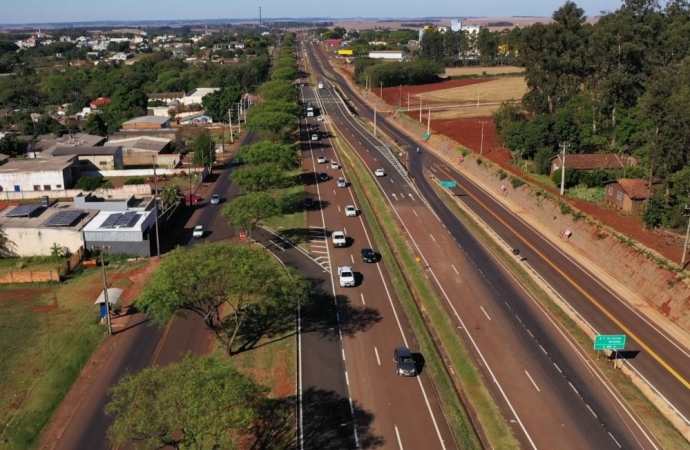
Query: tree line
pixel 621 85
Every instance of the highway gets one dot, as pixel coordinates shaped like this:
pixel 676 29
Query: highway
pixel 558 396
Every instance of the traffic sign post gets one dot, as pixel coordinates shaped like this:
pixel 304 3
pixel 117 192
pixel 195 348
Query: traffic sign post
pixel 609 342
pixel 449 184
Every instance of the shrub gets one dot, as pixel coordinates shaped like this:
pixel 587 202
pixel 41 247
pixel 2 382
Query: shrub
pixel 502 175
pixel 89 183
pixel 479 161
pixel 565 208
pixel 135 180
pixel 516 182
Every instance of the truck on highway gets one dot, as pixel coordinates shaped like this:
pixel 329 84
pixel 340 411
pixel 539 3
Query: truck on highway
pixel 310 111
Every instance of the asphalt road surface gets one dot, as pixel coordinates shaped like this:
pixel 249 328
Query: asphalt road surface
pixel 558 398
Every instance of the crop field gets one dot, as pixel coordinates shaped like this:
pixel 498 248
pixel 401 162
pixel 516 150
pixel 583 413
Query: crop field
pixel 498 90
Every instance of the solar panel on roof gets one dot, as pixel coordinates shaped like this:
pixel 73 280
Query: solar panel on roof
pixel 23 210
pixel 63 219
pixel 124 220
pixel 133 220
pixel 111 221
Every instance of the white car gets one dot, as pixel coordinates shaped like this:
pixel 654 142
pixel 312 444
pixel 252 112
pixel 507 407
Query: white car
pixel 198 231
pixel 320 118
pixel 339 239
pixel 341 182
pixel 321 160
pixel 335 165
pixel 215 199
pixel 314 137
pixel 379 173
pixel 346 276
pixel 350 211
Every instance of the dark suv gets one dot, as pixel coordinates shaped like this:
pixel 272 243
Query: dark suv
pixel 308 202
pixel 368 255
pixel 404 363
pixel 324 177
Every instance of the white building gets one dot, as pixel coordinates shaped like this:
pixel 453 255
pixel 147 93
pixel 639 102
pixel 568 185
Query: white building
pixel 33 230
pixel 389 55
pixel 196 119
pixel 124 223
pixel 195 96
pixel 56 173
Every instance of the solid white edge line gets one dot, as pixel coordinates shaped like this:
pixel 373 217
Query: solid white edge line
pixel 485 313
pixel 397 433
pixel 377 355
pixel 533 383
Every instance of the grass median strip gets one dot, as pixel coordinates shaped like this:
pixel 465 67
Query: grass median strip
pixel 481 403
pixel 661 428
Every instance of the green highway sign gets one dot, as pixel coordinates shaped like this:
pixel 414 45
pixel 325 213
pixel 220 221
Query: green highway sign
pixel 449 184
pixel 609 342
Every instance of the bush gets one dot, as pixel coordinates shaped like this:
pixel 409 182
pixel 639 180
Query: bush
pixel 479 161
pixel 516 182
pixel 89 183
pixel 571 177
pixel 654 212
pixel 542 160
pixel 135 180
pixel 502 175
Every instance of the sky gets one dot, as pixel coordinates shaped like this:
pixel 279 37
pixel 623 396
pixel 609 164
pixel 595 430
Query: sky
pixel 44 11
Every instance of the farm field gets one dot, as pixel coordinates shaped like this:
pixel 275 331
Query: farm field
pixel 478 70
pixel 48 332
pixel 494 90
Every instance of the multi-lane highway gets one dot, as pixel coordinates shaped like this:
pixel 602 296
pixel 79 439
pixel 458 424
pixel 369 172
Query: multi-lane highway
pixel 543 380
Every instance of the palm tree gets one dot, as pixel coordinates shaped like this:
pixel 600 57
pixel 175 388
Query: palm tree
pixel 170 196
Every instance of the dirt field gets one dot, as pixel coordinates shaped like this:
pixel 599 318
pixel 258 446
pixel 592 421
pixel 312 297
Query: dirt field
pixel 370 24
pixel 497 90
pixel 392 95
pixel 462 113
pixel 474 70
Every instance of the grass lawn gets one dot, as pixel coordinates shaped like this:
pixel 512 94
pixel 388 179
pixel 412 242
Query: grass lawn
pixel 48 332
pixel 29 263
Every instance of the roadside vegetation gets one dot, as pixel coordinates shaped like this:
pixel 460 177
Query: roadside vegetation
pixel 244 297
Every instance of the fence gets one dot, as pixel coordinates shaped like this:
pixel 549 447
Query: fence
pixel 141 189
pixel 71 263
pixel 43 276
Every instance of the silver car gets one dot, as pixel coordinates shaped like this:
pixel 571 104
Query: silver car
pixel 341 182
pixel 404 362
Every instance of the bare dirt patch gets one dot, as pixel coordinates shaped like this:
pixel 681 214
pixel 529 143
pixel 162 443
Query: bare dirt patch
pixel 470 110
pixel 392 95
pixel 478 70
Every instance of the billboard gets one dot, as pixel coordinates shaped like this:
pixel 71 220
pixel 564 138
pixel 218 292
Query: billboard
pixel 345 52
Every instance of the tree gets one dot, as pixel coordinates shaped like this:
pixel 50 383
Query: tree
pixel 171 195
pixel 220 103
pixel 272 125
pixel 269 152
pixel 249 210
pixel 261 177
pixel 201 402
pixel 278 90
pixel 204 149
pixel 431 45
pixel 9 145
pixel 224 284
pixel 89 183
pixel 95 125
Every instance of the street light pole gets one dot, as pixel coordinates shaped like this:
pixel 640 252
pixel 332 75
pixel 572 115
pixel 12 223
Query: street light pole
pixel 687 235
pixel 564 145
pixel 428 123
pixel 381 91
pixel 481 146
pixel 374 120
pixel 400 97
pixel 105 288
pixel 155 210
pixel 232 138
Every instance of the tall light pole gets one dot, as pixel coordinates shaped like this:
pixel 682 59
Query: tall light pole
pixel 420 109
pixel 155 210
pixel 428 123
pixel 400 97
pixel 381 91
pixel 564 145
pixel 481 146
pixel 374 120
pixel 408 102
pixel 103 249
pixel 687 235
pixel 232 138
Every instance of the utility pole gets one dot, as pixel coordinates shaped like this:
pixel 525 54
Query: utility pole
pixel 400 97
pixel 103 249
pixel 239 114
pixel 481 146
pixel 381 91
pixel 564 145
pixel 232 138
pixel 374 120
pixel 687 235
pixel 428 123
pixel 155 200
pixel 408 102
pixel 259 20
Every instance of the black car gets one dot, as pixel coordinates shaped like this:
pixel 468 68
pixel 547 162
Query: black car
pixel 324 177
pixel 308 202
pixel 368 255
pixel 404 362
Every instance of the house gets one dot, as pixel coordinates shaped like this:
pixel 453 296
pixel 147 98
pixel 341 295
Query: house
pixel 121 56
pixel 628 194
pixel 126 224
pixel 196 119
pixel 333 42
pixel 43 174
pixel 94 158
pixel 99 103
pixel 195 96
pixel 592 161
pixel 389 55
pixel 172 134
pixel 177 53
pixel 146 123
pixel 34 229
